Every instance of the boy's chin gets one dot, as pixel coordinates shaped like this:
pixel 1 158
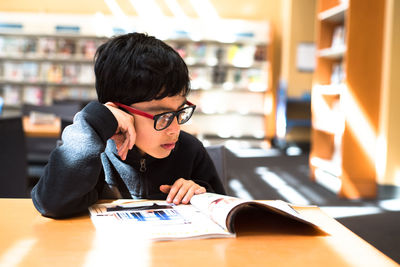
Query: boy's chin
pixel 162 153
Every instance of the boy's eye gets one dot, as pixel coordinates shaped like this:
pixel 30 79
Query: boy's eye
pixel 184 115
pixel 164 120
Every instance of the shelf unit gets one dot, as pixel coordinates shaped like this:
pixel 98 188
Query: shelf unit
pixel 345 96
pixel 229 80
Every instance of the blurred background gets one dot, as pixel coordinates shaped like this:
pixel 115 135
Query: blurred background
pixel 297 99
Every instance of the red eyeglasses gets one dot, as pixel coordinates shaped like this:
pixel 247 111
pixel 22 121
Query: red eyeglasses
pixel 163 120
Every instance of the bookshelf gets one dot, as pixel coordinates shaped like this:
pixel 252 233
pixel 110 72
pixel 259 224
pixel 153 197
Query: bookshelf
pixel 345 96
pixel 38 68
pixel 229 80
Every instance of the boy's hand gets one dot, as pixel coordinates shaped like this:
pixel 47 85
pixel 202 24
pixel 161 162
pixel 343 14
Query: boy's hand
pixel 125 136
pixel 182 191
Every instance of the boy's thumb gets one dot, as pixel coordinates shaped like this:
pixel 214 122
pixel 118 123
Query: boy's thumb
pixel 165 188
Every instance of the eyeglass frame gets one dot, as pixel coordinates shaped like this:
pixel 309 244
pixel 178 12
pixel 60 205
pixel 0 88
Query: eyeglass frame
pixel 155 117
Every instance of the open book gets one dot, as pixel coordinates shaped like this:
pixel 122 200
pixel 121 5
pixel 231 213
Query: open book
pixel 209 215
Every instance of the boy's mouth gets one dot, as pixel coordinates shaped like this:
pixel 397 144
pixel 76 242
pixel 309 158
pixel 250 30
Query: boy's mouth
pixel 168 146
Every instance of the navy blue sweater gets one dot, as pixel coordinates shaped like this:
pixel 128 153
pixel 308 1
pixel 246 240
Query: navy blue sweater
pixel 86 167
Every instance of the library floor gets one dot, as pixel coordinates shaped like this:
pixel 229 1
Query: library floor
pixel 255 174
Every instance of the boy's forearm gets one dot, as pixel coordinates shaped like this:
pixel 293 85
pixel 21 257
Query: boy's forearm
pixel 68 185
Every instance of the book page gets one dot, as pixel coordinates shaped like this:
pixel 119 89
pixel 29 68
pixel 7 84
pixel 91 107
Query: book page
pixel 283 208
pixel 216 206
pixel 155 220
pixel 222 209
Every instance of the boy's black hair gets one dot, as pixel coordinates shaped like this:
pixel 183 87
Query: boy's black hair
pixel 136 67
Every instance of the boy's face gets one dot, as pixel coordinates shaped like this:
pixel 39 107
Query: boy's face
pixel 157 144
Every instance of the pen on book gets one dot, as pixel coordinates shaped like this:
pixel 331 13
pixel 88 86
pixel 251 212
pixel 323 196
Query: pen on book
pixel 155 206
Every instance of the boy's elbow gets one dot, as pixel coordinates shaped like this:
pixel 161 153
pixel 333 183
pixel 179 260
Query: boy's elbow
pixel 58 209
pixel 49 208
pixel 46 208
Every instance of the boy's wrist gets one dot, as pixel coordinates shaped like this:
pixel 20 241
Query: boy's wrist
pixel 101 119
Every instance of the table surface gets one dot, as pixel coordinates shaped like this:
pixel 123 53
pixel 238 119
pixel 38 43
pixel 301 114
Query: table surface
pixel 28 239
pixel 41 130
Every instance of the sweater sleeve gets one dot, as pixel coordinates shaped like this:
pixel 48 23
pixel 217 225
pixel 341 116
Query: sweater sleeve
pixel 199 164
pixel 68 185
pixel 205 173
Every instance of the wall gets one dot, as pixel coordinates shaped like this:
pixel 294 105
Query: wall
pixel 298 27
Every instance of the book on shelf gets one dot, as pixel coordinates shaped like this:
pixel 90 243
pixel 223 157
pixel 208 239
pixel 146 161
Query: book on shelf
pixel 30 71
pixel 338 73
pixel 240 55
pixel 197 52
pixel 233 79
pixel 260 53
pixel 71 73
pixel 338 38
pixel 87 48
pixel 208 215
pixel 219 74
pixel 11 46
pixel 66 47
pixel 12 95
pixel 200 78
pixel 33 95
pixel 73 93
pixel 30 46
pixel 257 80
pixel 47 47
pixel 51 72
pixel 86 74
pixel 214 55
pixel 13 71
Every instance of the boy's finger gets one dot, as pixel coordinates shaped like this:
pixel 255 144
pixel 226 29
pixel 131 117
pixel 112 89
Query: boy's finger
pixel 123 150
pixel 189 195
pixel 118 139
pixel 165 188
pixel 174 190
pixel 132 138
pixel 181 192
pixel 131 133
pixel 200 190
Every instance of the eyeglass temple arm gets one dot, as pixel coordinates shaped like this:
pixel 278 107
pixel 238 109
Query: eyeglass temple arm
pixel 133 110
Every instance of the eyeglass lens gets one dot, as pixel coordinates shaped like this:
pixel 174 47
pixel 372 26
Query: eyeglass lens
pixel 166 119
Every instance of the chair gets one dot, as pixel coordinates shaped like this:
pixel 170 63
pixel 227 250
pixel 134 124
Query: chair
pixel 39 148
pixel 13 164
pixel 218 154
pixel 65 123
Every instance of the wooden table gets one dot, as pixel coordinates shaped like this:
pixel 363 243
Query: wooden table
pixel 41 130
pixel 28 239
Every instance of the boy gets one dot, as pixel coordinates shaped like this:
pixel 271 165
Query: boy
pixel 129 144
